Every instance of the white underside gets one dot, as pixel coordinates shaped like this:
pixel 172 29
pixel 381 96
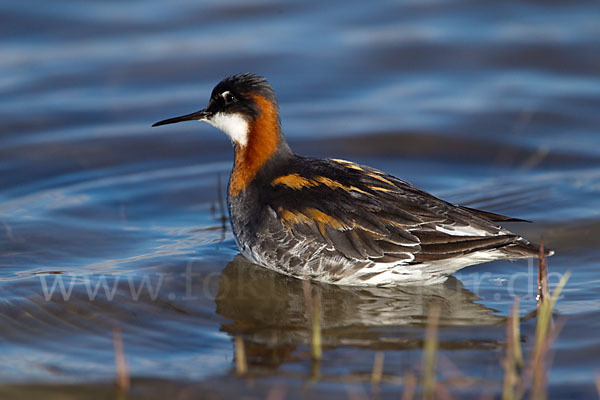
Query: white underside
pixel 432 272
pixel 386 274
pixel 392 274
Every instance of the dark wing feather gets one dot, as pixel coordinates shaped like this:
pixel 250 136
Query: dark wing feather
pixel 455 248
pixel 493 216
pixel 364 214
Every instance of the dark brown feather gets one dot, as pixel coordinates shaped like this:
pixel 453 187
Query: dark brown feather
pixel 493 216
pixel 363 214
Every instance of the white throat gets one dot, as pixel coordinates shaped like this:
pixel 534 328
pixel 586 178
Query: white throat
pixel 234 126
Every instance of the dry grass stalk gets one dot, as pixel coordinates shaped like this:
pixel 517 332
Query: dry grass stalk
pixel 313 316
pixel 410 383
pixel 316 351
pixel 430 352
pixel 514 359
pixel 545 335
pixel 377 373
pixel 543 340
pixel 315 371
pixel 516 335
pixel 241 365
pixel 308 300
pixel 123 381
pixel 542 290
pixel 223 216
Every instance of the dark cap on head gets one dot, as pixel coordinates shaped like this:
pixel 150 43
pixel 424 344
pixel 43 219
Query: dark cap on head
pixel 245 83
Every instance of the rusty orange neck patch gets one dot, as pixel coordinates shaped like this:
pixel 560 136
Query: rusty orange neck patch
pixel 263 139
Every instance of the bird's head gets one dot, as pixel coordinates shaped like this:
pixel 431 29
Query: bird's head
pixel 242 106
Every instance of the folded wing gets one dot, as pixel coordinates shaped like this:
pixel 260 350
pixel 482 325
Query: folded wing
pixel 366 215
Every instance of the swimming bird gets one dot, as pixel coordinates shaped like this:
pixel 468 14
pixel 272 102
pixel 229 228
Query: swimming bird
pixel 335 221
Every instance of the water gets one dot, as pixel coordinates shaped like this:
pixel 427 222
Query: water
pixel 491 105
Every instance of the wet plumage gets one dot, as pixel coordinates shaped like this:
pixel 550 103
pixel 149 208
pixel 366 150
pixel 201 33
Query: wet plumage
pixel 335 221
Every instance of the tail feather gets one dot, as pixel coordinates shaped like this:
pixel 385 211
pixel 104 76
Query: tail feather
pixel 493 216
pixel 523 248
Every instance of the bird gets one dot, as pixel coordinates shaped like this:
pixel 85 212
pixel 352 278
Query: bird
pixel 335 221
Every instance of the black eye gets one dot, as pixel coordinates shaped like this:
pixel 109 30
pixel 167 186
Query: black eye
pixel 228 97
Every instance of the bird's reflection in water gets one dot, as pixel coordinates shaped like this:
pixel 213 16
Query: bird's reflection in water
pixel 269 310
